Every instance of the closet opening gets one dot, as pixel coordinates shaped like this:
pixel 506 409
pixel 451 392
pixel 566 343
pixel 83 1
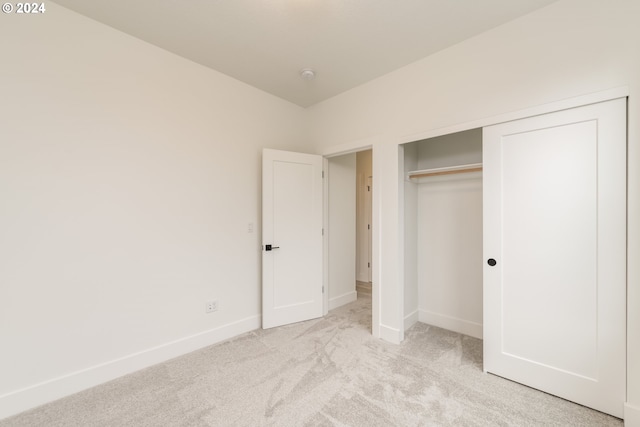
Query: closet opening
pixel 541 278
pixel 443 232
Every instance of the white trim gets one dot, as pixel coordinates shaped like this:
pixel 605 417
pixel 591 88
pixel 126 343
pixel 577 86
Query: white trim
pixel 565 104
pixel 631 415
pixel 325 236
pixel 38 394
pixel 401 236
pixel 376 265
pixel 411 319
pixel 389 334
pixel 350 147
pixel 342 299
pixel 454 324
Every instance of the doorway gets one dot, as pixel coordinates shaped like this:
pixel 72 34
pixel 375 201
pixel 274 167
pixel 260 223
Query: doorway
pixel 364 191
pixel 348 241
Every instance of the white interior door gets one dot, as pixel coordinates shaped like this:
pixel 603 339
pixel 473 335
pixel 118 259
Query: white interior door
pixel 291 237
pixel 555 225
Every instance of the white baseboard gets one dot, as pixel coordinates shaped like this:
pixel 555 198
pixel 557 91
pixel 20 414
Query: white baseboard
pixel 389 334
pixel 631 415
pixel 461 326
pixel 38 394
pixel 411 319
pixel 342 299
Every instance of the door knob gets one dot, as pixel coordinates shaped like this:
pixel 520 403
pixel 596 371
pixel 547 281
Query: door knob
pixel 491 262
pixel 269 247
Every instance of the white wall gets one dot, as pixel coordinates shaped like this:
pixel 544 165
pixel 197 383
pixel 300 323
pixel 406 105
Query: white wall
pixel 568 49
pixel 128 178
pixel 460 148
pixel 342 230
pixel 450 252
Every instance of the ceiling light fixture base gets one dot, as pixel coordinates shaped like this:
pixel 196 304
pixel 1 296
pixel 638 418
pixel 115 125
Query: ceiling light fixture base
pixel 307 74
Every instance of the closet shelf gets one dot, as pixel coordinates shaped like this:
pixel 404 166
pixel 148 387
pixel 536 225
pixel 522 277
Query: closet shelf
pixel 474 167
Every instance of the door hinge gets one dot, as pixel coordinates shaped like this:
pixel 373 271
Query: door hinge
pixel 368 188
pixel 368 265
pixel 323 289
pixel 368 226
pixel 323 174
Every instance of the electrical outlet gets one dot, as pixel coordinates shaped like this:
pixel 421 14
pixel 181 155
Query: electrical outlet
pixel 211 306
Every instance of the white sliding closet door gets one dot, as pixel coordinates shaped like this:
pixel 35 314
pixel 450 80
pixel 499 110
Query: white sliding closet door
pixel 554 210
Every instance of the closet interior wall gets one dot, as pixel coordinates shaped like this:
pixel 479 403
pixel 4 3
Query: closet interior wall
pixel 443 234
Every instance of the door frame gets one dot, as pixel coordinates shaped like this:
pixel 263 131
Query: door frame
pixel 369 210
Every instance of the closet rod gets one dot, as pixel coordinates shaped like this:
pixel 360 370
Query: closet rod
pixel 475 167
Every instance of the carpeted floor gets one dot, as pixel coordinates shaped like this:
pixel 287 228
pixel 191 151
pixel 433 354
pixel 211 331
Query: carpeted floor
pixel 324 372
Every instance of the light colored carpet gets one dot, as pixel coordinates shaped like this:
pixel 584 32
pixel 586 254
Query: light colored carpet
pixel 324 372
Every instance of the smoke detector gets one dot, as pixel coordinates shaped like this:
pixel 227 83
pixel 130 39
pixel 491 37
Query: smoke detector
pixel 307 74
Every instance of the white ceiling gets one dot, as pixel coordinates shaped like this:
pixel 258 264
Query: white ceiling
pixel 266 43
